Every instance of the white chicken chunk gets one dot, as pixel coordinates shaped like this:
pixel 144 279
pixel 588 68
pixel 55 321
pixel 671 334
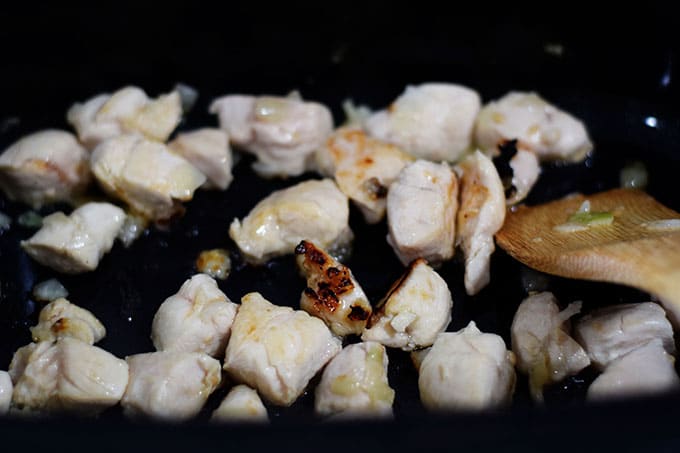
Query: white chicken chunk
pixel 525 172
pixel 44 167
pixel 417 308
pixel 282 132
pixel 363 167
pixel 68 375
pixel 432 121
pixel 76 243
pixel 539 126
pixel 354 384
pixel 312 210
pixel 196 319
pixel 611 332
pixel 127 111
pixel 6 388
pixel 421 212
pixel 541 342
pixel 332 293
pixel 277 350
pixel 242 404
pixel 145 174
pixel 647 370
pixel 208 150
pixel 60 318
pixel 170 386
pixel 480 216
pixel 467 370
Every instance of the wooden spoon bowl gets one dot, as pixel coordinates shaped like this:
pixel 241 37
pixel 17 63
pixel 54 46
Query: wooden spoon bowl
pixel 631 250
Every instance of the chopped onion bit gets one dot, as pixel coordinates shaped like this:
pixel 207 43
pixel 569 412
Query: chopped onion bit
pixel 30 219
pixel 49 290
pixel 663 225
pixel 5 221
pixel 584 218
pixel 215 262
pixel 356 115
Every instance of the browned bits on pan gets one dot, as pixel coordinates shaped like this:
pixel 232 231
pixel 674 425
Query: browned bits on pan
pixel 375 188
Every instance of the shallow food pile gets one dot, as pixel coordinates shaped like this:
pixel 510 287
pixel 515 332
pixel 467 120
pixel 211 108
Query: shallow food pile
pixel 271 262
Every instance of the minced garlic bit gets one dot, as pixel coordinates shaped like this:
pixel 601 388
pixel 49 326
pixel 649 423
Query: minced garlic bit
pixel 215 262
pixel 49 290
pixel 663 225
pixel 584 218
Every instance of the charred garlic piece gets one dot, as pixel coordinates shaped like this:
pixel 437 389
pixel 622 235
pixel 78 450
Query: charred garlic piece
pixel 363 167
pixel 60 318
pixel 417 308
pixel 44 167
pixel 541 342
pixel 354 384
pixel 539 126
pixel 145 174
pixel 332 292
pixel 432 121
pixel 312 210
pixel 127 111
pixel 282 132
pixel 421 212
pixel 480 216
pixel 242 404
pixel 68 375
pixel 208 150
pixel 75 243
pixel 196 319
pixel 6 388
pixel 611 332
pixel 277 350
pixel 647 370
pixel 467 370
pixel 169 386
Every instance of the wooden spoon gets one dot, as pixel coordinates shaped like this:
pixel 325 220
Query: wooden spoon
pixel 627 251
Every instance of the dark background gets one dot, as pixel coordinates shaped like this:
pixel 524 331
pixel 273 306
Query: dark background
pixel 617 67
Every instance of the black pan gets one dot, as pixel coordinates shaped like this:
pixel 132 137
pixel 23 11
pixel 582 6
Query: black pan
pixel 615 85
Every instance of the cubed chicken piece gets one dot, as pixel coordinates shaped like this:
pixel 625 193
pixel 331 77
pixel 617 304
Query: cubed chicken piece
pixel 170 386
pixel 541 127
pixel 467 370
pixel 421 212
pixel 312 210
pixel 127 111
pixel 76 243
pixel 363 167
pixel 417 308
pixel 354 384
pixel 611 332
pixel 277 350
pixel 145 174
pixel 282 132
pixel 480 216
pixel 196 319
pixel 541 342
pixel 332 292
pixel 242 404
pixel 6 388
pixel 645 371
pixel 60 318
pixel 68 375
pixel 432 121
pixel 525 172
pixel 44 167
pixel 208 150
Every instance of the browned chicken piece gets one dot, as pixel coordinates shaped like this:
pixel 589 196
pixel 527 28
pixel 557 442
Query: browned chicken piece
pixel 60 318
pixel 208 150
pixel 363 167
pixel 480 216
pixel 44 167
pixel 243 405
pixel 332 292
